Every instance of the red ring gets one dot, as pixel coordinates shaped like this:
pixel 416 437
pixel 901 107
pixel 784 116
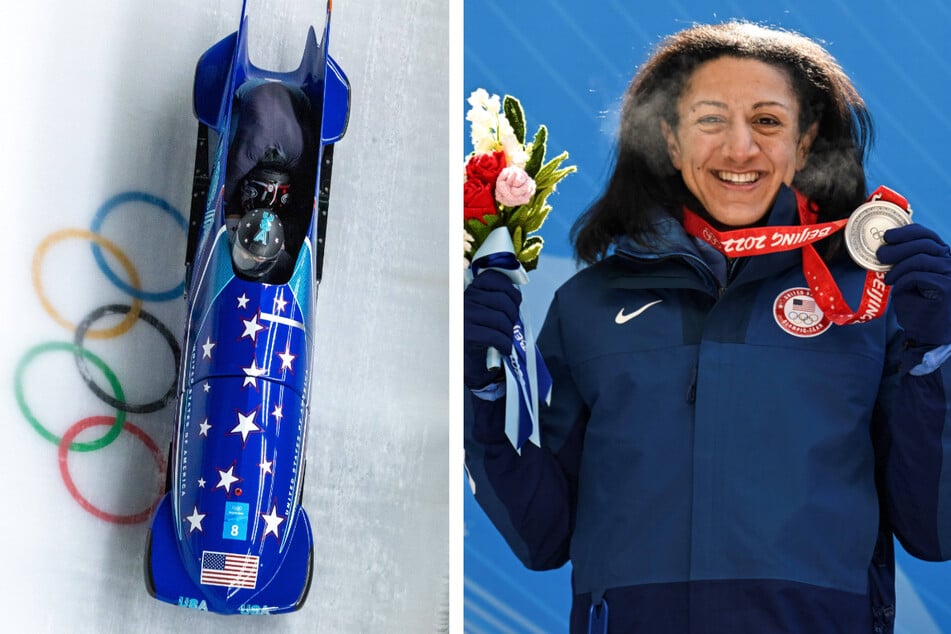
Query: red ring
pixel 64 444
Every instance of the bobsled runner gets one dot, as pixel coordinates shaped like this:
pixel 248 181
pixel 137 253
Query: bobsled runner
pixel 230 534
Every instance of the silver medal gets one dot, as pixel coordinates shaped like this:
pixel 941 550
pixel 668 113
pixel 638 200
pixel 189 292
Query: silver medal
pixel 866 228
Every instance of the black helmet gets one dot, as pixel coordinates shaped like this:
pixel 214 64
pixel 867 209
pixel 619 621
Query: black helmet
pixel 258 241
pixel 267 186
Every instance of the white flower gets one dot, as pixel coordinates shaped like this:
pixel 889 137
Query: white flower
pixel 483 140
pixel 469 240
pixel 484 117
pixel 490 130
pixel 514 151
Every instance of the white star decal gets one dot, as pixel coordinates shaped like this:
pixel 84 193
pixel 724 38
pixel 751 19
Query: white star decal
pixel 251 328
pixel 242 301
pixel 266 467
pixel 277 412
pixel 206 348
pixel 201 483
pixel 252 372
pixel 272 520
pixel 279 302
pixel 287 359
pixel 207 387
pixel 226 479
pixel 245 425
pixel 203 428
pixel 195 520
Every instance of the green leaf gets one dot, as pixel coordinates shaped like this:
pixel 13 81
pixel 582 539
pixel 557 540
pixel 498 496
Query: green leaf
pixel 537 157
pixel 515 217
pixel 512 108
pixel 486 224
pixel 535 220
pixel 546 175
pixel 517 236
pixel 528 256
pixel 530 251
pixel 479 230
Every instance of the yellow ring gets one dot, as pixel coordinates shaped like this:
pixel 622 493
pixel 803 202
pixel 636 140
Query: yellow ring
pixel 83 234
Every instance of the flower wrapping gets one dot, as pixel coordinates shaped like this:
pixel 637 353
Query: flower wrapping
pixel 525 372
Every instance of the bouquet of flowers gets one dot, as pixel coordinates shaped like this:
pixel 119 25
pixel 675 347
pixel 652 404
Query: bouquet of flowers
pixel 507 180
pixel 506 191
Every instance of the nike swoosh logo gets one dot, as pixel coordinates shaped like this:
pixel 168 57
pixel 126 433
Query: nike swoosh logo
pixel 621 318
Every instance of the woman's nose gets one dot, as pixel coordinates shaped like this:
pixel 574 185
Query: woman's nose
pixel 740 144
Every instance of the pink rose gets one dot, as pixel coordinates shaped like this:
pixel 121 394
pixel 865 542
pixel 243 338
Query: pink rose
pixel 514 187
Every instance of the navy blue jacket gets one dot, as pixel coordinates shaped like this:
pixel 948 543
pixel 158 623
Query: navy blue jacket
pixel 724 461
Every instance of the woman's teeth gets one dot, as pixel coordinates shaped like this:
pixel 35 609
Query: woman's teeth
pixel 739 178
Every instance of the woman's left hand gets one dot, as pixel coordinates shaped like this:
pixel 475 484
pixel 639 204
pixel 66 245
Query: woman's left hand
pixel 921 282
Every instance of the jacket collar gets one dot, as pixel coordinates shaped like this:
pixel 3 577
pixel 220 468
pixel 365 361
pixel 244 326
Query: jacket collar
pixel 671 240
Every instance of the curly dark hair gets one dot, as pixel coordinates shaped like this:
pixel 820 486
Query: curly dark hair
pixel 644 178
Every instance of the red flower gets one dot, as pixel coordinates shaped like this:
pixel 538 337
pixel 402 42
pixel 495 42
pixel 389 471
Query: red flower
pixel 485 167
pixel 478 201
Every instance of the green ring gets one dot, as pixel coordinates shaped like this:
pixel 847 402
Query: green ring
pixel 36 351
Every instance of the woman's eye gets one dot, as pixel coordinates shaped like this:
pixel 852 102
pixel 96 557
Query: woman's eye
pixel 710 120
pixel 767 121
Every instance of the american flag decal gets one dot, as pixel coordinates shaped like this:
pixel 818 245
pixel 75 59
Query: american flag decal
pixel 229 570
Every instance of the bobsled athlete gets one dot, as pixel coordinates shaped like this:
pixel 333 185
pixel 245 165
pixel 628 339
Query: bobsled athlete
pixel 266 186
pixel 257 248
pixel 729 446
pixel 272 148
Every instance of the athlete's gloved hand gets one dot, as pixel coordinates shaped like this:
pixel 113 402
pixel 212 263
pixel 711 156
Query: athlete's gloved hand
pixel 921 282
pixel 490 310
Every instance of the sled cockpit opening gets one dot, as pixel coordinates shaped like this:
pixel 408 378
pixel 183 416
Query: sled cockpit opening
pixel 270 178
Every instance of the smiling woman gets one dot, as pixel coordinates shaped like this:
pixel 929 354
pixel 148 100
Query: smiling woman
pixel 737 138
pixel 750 104
pixel 729 447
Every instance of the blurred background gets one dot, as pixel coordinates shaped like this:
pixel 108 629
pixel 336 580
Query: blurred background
pixel 570 68
pixel 97 104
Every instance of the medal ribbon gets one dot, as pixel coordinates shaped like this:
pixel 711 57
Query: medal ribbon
pixel 762 240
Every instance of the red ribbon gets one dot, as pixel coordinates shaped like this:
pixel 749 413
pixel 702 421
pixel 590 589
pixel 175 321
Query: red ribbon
pixel 762 240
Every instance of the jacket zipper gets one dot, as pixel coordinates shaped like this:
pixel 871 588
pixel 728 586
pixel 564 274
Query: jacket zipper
pixel 704 269
pixel 699 264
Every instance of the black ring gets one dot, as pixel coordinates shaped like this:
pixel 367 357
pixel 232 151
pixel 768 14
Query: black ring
pixel 110 400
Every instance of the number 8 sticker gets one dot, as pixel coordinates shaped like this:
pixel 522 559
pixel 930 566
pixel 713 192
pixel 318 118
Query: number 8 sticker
pixel 236 521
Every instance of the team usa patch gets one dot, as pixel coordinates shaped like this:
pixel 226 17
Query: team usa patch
pixel 796 312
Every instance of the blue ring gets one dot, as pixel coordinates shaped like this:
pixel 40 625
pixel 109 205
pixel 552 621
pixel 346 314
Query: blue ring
pixel 103 211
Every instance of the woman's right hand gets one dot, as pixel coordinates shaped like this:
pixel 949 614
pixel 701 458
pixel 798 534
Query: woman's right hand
pixel 490 310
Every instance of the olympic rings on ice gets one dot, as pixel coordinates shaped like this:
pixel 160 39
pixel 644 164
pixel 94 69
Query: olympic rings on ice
pixel 81 360
pixel 104 210
pixel 86 360
pixel 82 234
pixel 36 351
pixel 67 443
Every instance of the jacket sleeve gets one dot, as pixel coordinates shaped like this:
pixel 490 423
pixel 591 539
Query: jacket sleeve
pixel 530 497
pixel 914 428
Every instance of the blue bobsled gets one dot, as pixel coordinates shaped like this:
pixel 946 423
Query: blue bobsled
pixel 230 534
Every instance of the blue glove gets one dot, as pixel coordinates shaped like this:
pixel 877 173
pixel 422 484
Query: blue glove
pixel 490 310
pixel 921 283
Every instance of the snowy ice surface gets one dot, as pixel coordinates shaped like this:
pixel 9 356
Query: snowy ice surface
pixel 97 101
